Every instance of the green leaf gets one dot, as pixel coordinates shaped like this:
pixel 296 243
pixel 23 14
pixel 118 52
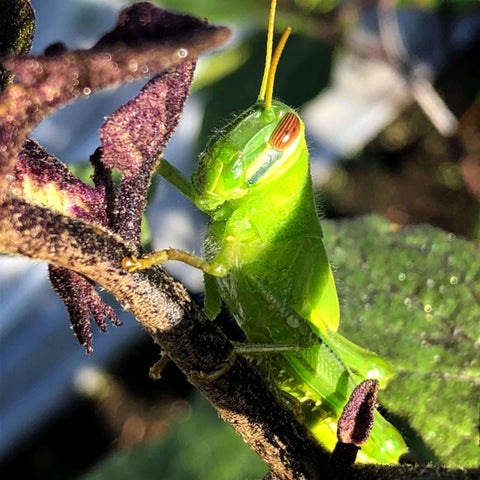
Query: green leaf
pixel 413 296
pixel 200 448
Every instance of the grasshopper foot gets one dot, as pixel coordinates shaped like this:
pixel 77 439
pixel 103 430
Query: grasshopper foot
pixel 207 377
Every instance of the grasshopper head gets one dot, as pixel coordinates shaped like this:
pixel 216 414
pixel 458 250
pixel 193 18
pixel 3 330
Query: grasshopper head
pixel 254 150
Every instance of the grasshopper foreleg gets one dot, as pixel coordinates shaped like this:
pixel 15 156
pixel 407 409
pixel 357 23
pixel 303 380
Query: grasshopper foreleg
pixel 132 264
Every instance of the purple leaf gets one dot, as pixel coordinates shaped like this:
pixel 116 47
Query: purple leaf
pixel 42 179
pixel 136 134
pixel 143 22
pixel 145 42
pixel 142 127
pixel 82 301
pixel 102 178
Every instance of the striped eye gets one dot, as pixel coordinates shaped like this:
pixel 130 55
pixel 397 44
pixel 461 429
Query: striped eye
pixel 286 132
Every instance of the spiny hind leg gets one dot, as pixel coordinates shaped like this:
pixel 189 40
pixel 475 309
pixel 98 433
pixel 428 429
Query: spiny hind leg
pixel 246 349
pixel 353 357
pixel 295 327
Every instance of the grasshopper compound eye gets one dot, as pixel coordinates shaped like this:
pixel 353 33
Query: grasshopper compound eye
pixel 286 132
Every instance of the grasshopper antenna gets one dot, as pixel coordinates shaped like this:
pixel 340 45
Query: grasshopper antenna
pixel 266 88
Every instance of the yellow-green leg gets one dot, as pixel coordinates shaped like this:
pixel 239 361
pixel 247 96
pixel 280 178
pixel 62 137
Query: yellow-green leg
pixel 132 264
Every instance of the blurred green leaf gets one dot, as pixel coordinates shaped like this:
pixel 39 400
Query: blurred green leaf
pixel 17 24
pixel 213 68
pixel 201 448
pixel 432 4
pixel 413 296
pixel 476 222
pixel 247 11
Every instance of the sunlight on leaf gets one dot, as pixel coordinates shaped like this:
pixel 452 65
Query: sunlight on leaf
pixel 413 296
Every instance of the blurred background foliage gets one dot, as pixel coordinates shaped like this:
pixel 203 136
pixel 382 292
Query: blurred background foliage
pixel 407 172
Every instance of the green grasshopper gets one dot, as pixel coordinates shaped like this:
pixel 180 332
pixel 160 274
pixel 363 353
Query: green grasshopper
pixel 265 258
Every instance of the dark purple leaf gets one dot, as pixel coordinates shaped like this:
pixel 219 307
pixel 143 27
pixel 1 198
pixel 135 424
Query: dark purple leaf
pixel 136 134
pixel 82 301
pixel 42 179
pixel 56 48
pixel 146 41
pixel 102 178
pixel 154 25
pixel 142 127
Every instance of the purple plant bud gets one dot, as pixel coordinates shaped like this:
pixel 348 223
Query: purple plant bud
pixel 356 421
